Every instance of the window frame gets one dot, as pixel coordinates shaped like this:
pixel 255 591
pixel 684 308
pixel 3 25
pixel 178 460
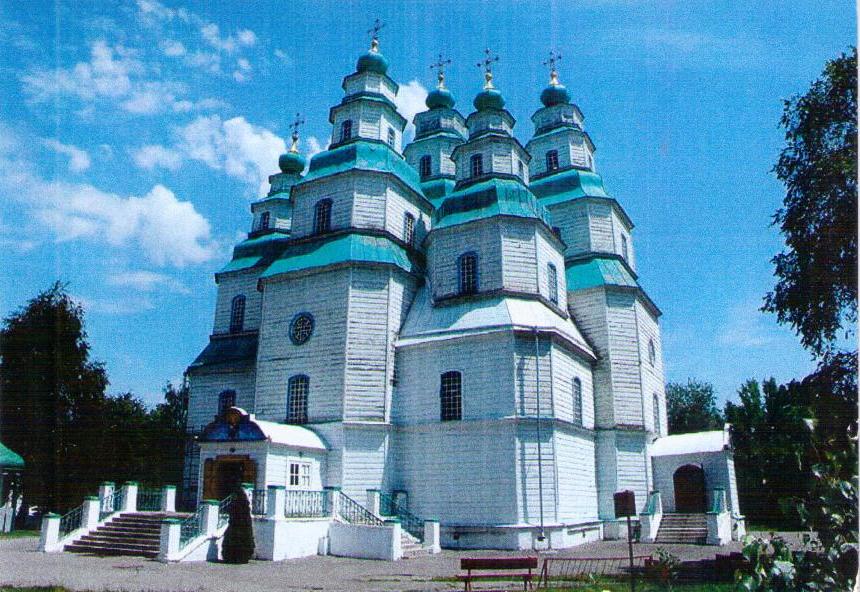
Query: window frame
pixel 576 401
pixel 295 320
pixel 237 313
pixel 297 410
pixel 451 396
pixel 652 352
pixel 392 138
pixel 624 247
pixel 467 285
pixel 322 215
pixel 552 282
pixel 552 160
pixel 476 165
pixel 658 426
pixel 409 229
pixel 345 130
pixel 425 166
pixel 265 219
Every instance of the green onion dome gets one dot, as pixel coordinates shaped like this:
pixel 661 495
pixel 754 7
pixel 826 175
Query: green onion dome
pixel 489 98
pixel 291 162
pixel 554 94
pixel 372 61
pixel 439 98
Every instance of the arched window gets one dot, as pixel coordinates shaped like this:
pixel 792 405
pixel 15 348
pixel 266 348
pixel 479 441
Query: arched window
pixel 264 221
pixel 577 401
pixel 345 130
pixel 237 314
pixel 391 137
pixel 552 283
pixel 322 216
pixel 409 229
pixel 657 425
pixel 297 399
pixel 425 166
pixel 476 165
pixel 624 246
pixel 552 160
pixel 652 352
pixel 467 268
pixel 451 396
pixel 226 399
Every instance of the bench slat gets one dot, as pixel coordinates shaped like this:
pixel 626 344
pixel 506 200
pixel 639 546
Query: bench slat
pixel 498 563
pixel 496 576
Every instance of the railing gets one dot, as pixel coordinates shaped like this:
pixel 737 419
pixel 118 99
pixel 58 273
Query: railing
pixel 149 500
pixel 389 506
pixel 224 510
pixel 191 527
pixel 71 521
pixel 718 501
pixel 651 506
pixel 354 513
pixel 112 503
pixel 258 503
pixel 306 504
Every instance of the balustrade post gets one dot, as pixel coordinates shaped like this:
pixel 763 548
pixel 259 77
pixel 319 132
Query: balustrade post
pixel 50 534
pixel 90 513
pixel 168 498
pixel 210 517
pixel 276 501
pixel 168 545
pixel 332 500
pixel 432 538
pixel 129 500
pixel 373 499
pixel 106 489
pixel 396 540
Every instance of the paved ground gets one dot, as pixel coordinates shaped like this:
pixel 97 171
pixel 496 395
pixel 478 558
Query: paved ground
pixel 21 564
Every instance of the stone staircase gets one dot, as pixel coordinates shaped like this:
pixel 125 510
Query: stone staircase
pixel 411 546
pixel 135 534
pixel 683 528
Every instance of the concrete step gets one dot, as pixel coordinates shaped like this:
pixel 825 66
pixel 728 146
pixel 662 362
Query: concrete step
pixel 89 547
pixel 112 551
pixel 106 539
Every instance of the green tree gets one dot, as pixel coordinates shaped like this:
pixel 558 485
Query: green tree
pixel 692 407
pixel 48 383
pixel 816 289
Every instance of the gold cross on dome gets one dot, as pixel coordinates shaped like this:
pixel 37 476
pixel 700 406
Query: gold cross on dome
pixel 554 58
pixel 440 66
pixel 295 125
pixel 487 65
pixel 374 34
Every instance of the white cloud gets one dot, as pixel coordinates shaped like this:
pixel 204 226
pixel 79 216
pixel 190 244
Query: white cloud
pixel 173 48
pixel 152 156
pixel 410 100
pixel 146 281
pixel 284 57
pixel 243 70
pixel 246 37
pixel 746 326
pixel 114 306
pixel 314 147
pixel 79 160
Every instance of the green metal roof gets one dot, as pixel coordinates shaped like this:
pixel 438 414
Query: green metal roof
pixel 240 264
pixel 595 272
pixel 568 185
pixel 341 248
pixel 227 349
pixel 363 155
pixel 256 251
pixel 494 197
pixel 10 459
pixel 436 190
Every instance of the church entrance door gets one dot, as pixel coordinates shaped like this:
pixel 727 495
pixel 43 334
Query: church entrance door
pixel 690 489
pixel 223 475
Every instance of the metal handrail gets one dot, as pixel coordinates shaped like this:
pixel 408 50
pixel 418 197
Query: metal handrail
pixel 191 527
pixel 651 506
pixel 258 502
pixel 306 504
pixel 389 506
pixel 224 510
pixel 111 503
pixel 71 521
pixel 149 499
pixel 354 513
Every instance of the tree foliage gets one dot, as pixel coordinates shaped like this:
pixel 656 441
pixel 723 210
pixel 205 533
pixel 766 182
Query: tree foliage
pixel 692 407
pixel 816 291
pixel 54 410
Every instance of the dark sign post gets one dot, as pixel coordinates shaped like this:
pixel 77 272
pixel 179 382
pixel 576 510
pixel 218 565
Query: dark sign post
pixel 625 505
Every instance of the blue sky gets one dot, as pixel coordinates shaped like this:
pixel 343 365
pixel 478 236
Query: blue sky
pixel 135 134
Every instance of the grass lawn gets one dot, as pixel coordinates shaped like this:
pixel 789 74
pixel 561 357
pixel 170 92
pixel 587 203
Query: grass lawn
pixel 644 587
pixel 17 534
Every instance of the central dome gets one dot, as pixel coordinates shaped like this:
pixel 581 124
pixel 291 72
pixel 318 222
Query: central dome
pixel 439 98
pixel 291 162
pixel 554 94
pixel 372 61
pixel 489 98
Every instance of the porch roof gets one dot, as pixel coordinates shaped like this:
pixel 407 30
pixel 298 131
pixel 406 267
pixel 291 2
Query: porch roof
pixel 715 441
pixel 291 435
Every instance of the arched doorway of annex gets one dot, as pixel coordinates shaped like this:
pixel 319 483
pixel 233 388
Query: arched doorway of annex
pixel 689 481
pixel 224 475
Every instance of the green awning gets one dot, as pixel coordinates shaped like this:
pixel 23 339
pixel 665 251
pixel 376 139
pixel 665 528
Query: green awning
pixel 495 197
pixel 595 272
pixel 10 459
pixel 367 156
pixel 342 248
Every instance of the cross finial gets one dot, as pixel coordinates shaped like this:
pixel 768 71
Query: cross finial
pixel 487 65
pixel 295 125
pixel 554 58
pixel 374 34
pixel 440 66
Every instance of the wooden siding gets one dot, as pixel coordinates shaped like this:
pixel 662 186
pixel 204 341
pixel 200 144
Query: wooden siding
pixel 204 389
pixel 588 308
pixel 526 380
pixel 577 479
pixel 632 466
pixel 487 378
pixel 368 206
pixel 571 218
pixel 532 486
pixel 600 227
pixel 620 229
pixel 338 189
pixel 459 472
pixel 548 252
pixel 365 452
pixel 651 376
pixel 277 466
pixel 519 256
pixel 370 82
pixel 326 297
pixel 607 474
pixel 623 353
pixel 448 244
pixel 566 367
pixel 396 208
pixel 231 285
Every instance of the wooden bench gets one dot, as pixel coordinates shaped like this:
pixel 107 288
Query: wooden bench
pixel 502 568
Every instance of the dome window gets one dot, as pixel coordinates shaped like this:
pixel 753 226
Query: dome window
pixel 552 160
pixel 476 165
pixel 322 216
pixel 467 267
pixel 237 314
pixel 425 166
pixel 264 221
pixel 345 130
pixel 392 138
pixel 409 229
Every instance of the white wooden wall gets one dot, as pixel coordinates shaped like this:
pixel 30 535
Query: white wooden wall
pixel 565 367
pixel 439 149
pixel 719 470
pixel 365 452
pixel 233 284
pixel 589 309
pixel 279 458
pixel 530 483
pixel 370 121
pixel 652 377
pixel 369 82
pixel 498 157
pixel 448 244
pixel 623 352
pixel 204 388
pixel 577 477
pixel 571 218
pixel 339 189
